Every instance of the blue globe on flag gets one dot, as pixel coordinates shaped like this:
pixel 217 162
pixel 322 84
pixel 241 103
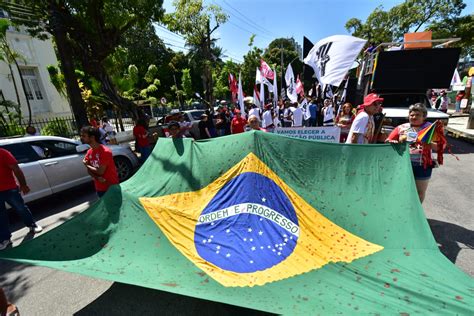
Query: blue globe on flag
pixel 250 225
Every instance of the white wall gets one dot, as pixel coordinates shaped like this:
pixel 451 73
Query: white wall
pixel 38 54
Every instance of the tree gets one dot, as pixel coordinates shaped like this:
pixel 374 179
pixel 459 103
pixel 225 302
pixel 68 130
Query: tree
pixel 9 56
pixel 186 83
pixel 193 20
pixel 457 27
pixel 250 64
pixel 409 16
pixel 222 78
pixel 89 30
pixel 273 56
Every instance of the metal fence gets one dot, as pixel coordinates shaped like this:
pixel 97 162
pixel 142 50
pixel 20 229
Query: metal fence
pixel 64 126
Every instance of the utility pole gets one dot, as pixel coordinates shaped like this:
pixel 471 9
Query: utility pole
pixel 282 71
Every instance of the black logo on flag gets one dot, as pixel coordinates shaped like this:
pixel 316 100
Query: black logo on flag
pixel 323 57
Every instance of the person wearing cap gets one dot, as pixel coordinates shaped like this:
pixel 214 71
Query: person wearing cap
pixel 203 127
pixel 362 129
pixel 238 123
pixel 175 130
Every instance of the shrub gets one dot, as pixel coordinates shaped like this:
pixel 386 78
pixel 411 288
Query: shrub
pixel 57 127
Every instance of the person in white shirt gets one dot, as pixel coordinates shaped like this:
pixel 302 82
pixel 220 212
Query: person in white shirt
pixel 267 118
pixel 255 111
pixel 328 113
pixel 362 129
pixel 297 115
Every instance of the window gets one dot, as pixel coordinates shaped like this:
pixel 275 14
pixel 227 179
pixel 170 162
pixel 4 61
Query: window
pixel 32 84
pixel 53 148
pixel 22 152
pixel 28 92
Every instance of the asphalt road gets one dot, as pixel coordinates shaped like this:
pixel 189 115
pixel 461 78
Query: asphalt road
pixel 44 291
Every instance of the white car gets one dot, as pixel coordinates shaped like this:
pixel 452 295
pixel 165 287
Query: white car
pixel 52 164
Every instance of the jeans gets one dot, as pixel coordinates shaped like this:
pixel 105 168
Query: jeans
pixel 312 122
pixel 144 153
pixel 458 106
pixel 15 200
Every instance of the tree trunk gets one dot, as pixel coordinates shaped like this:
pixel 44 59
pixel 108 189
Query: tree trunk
pixel 16 92
pixel 67 67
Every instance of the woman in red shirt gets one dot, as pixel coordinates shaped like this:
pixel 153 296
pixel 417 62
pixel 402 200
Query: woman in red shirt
pixel 238 123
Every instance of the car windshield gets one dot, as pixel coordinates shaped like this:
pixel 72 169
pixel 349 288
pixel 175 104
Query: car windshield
pixel 403 100
pixel 196 115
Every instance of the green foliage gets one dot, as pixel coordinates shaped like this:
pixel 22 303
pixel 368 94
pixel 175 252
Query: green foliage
pixel 58 127
pixel 409 16
pixel 57 79
pixel 221 88
pixel 250 64
pixel 462 27
pixel 186 83
pixel 10 117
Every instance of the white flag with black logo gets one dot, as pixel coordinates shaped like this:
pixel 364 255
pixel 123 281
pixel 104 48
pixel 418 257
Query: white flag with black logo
pixel 332 57
pixel 290 84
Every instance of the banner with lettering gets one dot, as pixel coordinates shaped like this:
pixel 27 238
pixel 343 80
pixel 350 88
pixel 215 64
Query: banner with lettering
pixel 328 134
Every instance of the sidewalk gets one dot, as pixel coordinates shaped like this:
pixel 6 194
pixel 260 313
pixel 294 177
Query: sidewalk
pixel 457 127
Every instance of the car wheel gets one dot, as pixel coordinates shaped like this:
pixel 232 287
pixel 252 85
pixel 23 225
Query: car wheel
pixel 124 168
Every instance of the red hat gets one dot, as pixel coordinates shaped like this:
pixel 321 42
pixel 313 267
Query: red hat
pixel 237 111
pixel 369 99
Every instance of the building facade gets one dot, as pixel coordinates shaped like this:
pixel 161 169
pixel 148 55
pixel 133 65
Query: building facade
pixel 37 55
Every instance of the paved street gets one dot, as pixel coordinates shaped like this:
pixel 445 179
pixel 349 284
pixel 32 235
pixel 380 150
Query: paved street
pixel 43 291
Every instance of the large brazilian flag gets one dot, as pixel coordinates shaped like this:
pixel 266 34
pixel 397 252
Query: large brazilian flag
pixel 266 222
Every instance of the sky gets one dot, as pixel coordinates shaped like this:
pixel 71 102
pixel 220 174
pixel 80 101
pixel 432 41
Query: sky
pixel 279 18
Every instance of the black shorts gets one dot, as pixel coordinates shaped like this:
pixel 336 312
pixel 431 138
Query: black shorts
pixel 421 173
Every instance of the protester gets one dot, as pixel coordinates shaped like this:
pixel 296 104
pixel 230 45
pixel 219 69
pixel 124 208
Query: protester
pixel 238 123
pixel 312 110
pixel 408 132
pixel 109 130
pixel 254 110
pixel 93 122
pixel 184 126
pixel 175 130
pixel 459 97
pixel 254 124
pixel 267 119
pixel 444 101
pixel 31 131
pixel 7 308
pixel 99 161
pixel 362 129
pixel 210 124
pixel 221 121
pixel 344 120
pixel 10 193
pixel 142 144
pixel 287 121
pixel 328 113
pixel 296 115
pixel 203 127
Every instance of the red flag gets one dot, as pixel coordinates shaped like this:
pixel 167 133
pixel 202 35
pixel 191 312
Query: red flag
pixel 266 70
pixel 233 87
pixel 299 86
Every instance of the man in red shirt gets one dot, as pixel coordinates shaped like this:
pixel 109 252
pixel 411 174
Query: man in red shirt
pixel 10 193
pixel 142 144
pixel 99 161
pixel 238 123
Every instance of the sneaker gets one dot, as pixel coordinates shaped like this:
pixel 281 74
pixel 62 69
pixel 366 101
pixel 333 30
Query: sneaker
pixel 5 244
pixel 36 229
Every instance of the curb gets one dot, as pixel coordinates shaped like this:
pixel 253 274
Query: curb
pixel 459 134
